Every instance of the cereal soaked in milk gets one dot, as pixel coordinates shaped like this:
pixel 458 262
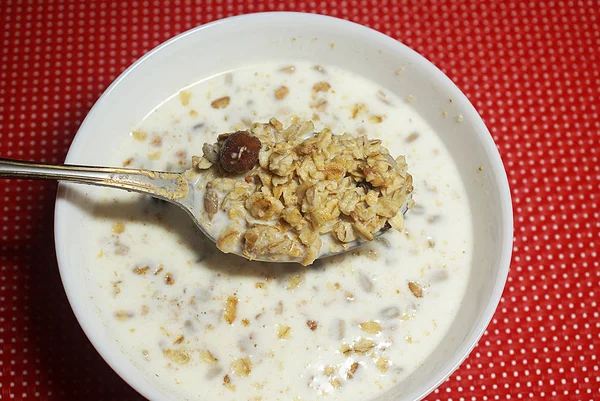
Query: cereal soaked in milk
pixel 212 326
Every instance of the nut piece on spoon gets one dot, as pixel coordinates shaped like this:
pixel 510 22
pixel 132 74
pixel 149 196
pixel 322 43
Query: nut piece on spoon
pixel 239 152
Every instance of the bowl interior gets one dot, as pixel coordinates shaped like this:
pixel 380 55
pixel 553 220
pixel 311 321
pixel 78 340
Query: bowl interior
pixel 231 43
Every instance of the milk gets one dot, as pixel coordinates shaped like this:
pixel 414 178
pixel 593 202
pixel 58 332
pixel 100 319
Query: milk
pixel 161 288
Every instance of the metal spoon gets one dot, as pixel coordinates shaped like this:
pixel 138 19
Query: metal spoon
pixel 174 188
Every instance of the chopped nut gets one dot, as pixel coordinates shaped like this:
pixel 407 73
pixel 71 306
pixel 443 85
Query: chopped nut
pixel 184 97
pixel 335 383
pixel 201 163
pixel 321 87
pixel 141 270
pixel 352 370
pixel 245 322
pixel 179 356
pixel 179 339
pixel 260 285
pixel 375 119
pixel 231 309
pixel 319 105
pixel 169 280
pixel 208 357
pixel 160 268
pixel 371 327
pixel 382 365
pixel 242 366
pixel 281 92
pixel 412 137
pixel 363 346
pixel 289 69
pixel 139 135
pixel 227 383
pixel 312 325
pixel 156 141
pixel 294 281
pixel 123 315
pixel 329 371
pixel 259 386
pixel 284 332
pixel 118 227
pixel 357 110
pixel 416 289
pixel 220 103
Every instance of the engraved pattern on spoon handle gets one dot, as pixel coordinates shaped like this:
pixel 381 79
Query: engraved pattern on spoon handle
pixel 167 186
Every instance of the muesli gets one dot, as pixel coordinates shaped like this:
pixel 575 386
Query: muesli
pixel 283 190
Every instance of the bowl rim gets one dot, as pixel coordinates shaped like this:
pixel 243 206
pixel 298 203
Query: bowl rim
pixel 107 351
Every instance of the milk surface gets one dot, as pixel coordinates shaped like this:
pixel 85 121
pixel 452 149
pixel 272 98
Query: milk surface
pixel 348 327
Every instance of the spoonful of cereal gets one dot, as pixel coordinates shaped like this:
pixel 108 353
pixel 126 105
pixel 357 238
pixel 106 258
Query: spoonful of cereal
pixel 269 193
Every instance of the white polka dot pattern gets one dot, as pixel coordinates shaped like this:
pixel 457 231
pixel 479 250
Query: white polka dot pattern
pixel 532 70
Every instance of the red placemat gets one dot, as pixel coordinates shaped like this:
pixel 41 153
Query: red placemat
pixel 532 70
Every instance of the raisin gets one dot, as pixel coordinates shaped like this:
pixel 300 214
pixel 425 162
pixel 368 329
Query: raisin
pixel 239 152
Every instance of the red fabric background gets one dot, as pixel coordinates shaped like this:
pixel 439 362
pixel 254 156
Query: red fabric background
pixel 531 68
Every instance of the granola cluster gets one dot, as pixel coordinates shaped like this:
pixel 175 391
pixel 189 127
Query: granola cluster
pixel 303 190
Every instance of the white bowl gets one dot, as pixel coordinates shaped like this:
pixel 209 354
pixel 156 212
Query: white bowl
pixel 229 43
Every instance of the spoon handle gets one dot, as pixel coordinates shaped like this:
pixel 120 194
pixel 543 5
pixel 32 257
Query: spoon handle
pixel 167 186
